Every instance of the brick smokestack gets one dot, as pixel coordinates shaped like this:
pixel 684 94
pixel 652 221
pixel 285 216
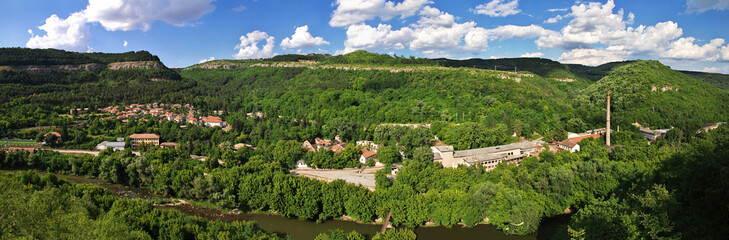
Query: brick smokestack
pixel 607 135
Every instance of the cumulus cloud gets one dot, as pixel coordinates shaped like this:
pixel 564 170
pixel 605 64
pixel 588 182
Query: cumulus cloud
pixel 591 57
pixel 498 8
pixel 351 12
pixel 533 55
pixel 128 15
pixel 125 43
pixel 248 47
pixel 554 19
pixel 302 39
pixel 705 5
pixel 69 34
pixel 72 33
pixel 433 16
pixel 684 48
pixel 206 60
pixel 518 32
pixel 363 36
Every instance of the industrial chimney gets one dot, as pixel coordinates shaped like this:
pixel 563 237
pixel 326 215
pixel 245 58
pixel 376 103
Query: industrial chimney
pixel 607 134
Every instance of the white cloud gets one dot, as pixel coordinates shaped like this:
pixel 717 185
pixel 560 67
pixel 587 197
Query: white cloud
pixel 557 10
pixel 711 69
pixel 591 57
pixel 248 47
pixel 533 55
pixel 69 34
pixel 383 37
pixel 725 53
pixel 498 8
pixel 440 37
pixel 436 54
pixel 351 12
pixel 239 8
pixel 705 5
pixel 30 31
pixel 128 15
pixel 302 39
pixel 125 43
pixel 518 32
pixel 206 60
pixel 684 48
pixel 554 19
pixel 433 16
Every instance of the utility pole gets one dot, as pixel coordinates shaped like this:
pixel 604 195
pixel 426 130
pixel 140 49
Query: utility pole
pixel 607 135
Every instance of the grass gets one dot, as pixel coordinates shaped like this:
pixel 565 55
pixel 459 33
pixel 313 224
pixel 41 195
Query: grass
pixel 18 143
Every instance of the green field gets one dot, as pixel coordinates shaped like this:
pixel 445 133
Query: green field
pixel 18 143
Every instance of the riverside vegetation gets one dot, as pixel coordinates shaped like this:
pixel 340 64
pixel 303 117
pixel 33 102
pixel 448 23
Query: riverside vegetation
pixel 637 191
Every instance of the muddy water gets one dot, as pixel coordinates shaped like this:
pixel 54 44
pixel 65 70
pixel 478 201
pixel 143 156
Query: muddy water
pixel 304 230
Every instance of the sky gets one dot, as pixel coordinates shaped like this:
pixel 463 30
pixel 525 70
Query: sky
pixel 684 34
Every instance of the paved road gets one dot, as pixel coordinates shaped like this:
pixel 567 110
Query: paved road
pixel 364 176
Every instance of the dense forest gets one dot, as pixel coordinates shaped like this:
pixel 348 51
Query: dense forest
pixel 637 191
pixel 26 56
pixel 666 189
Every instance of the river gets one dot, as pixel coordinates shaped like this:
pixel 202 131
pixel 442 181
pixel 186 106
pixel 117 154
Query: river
pixel 306 230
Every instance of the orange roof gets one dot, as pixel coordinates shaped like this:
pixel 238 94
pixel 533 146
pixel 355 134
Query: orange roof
pixel 337 148
pixel 212 119
pixel 568 143
pixel 54 133
pixel 144 136
pixel 367 153
pixel 579 139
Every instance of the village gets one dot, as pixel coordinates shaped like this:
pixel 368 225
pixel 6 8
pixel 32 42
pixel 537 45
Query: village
pixel 489 158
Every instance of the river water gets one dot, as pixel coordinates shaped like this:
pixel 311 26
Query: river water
pixel 305 230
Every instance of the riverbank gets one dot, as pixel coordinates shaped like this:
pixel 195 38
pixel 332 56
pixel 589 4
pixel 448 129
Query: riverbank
pixel 297 229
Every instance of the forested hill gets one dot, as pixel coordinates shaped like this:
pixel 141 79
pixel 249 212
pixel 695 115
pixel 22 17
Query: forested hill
pixel 47 57
pixel 34 67
pixel 652 93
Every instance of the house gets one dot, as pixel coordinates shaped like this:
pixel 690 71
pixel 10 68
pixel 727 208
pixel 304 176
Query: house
pixel 711 126
pixel 115 146
pixel 168 145
pixel 366 156
pixel 192 120
pixel 335 145
pixel 369 145
pixel 301 164
pixel 212 121
pixel 395 168
pixel 144 138
pixel 652 135
pixel 308 146
pixel 242 145
pixel 489 157
pixel 569 145
pixel 52 138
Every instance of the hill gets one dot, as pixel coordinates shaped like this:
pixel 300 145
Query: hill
pixel 652 93
pixel 542 67
pixel 716 79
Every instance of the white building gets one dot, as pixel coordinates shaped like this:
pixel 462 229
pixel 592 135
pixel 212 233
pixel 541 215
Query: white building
pixel 115 146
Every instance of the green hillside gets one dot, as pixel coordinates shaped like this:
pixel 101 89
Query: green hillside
pixel 653 94
pixel 716 79
pixel 542 67
pixel 26 56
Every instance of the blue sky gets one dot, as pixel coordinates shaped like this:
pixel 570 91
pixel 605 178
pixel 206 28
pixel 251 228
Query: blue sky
pixel 684 34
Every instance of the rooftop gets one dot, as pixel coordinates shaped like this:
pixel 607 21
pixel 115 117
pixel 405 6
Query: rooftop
pixel 144 136
pixel 492 150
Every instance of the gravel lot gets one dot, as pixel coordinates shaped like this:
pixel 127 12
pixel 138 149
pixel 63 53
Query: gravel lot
pixel 363 176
